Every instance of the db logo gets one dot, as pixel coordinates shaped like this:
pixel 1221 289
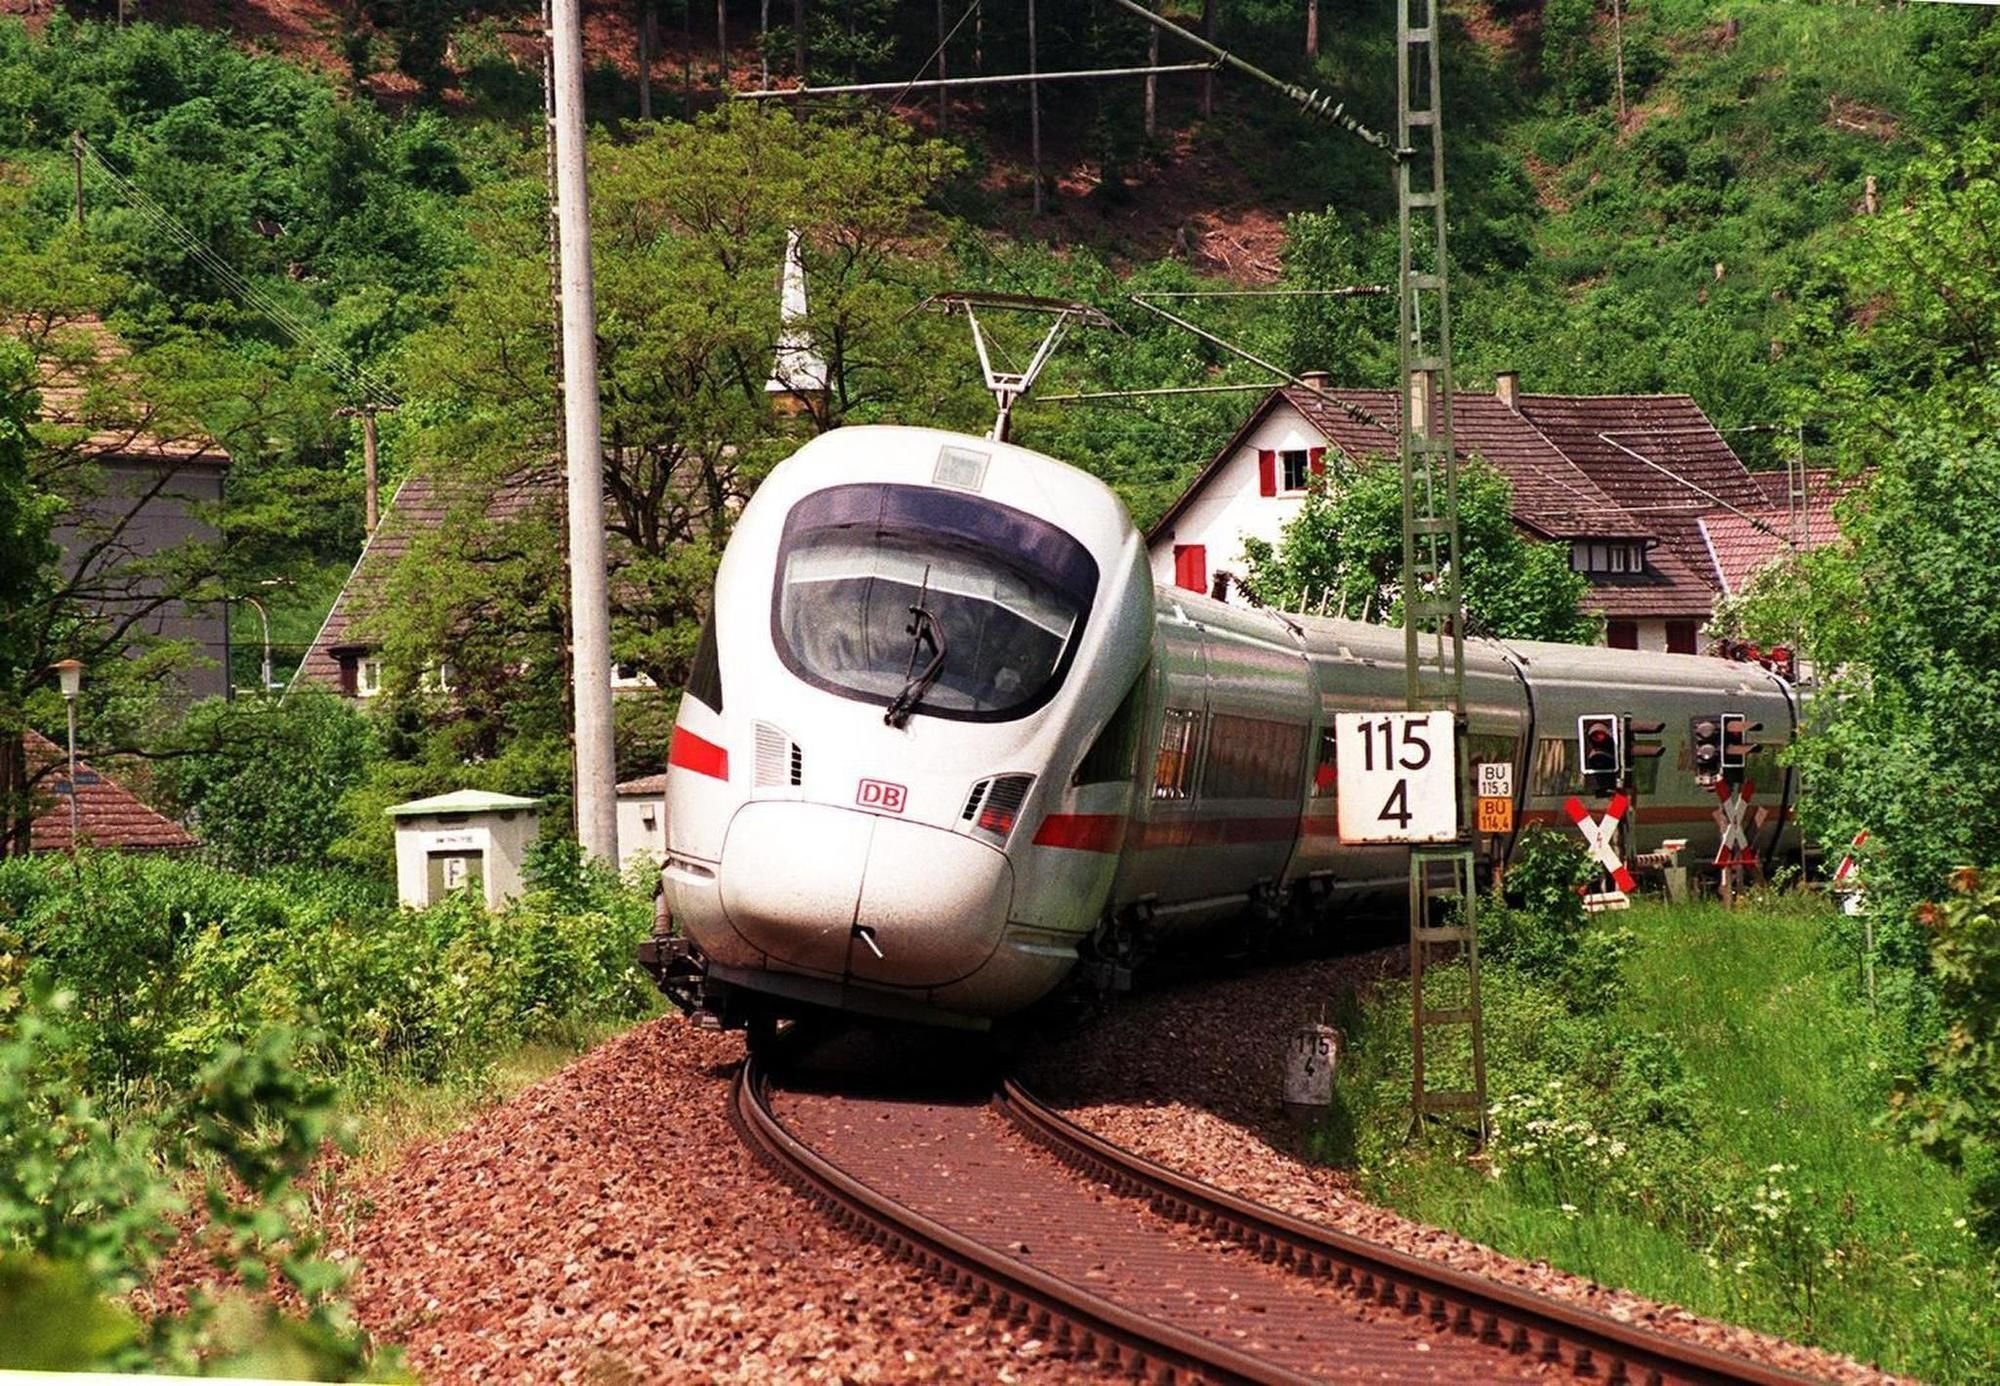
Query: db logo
pixel 880 794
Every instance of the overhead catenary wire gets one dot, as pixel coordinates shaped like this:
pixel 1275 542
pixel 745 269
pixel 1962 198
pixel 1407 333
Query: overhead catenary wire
pixel 363 383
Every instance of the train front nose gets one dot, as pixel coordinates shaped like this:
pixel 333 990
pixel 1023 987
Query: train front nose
pixel 863 896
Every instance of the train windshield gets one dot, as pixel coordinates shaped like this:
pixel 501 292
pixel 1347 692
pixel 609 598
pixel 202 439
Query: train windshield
pixel 929 601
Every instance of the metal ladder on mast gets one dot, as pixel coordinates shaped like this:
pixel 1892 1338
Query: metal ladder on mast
pixel 1443 890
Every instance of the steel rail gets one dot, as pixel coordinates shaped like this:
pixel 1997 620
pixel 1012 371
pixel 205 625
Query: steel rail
pixel 1520 1320
pixel 1087 1323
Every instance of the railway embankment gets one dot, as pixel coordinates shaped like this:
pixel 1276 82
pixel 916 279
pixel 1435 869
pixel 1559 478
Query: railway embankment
pixel 1694 1148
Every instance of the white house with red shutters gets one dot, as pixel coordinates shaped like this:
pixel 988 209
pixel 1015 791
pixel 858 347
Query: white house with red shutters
pixel 1622 481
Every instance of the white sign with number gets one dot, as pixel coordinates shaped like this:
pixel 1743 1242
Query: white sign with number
pixel 1398 777
pixel 1496 779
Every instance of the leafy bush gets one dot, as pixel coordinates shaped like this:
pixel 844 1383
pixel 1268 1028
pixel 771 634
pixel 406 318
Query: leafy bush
pixel 172 961
pixel 1538 926
pixel 88 1205
pixel 1957 1115
pixel 262 781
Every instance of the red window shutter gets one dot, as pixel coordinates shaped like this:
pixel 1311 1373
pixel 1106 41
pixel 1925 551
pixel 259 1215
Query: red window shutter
pixel 1191 567
pixel 1622 635
pixel 1267 472
pixel 1316 461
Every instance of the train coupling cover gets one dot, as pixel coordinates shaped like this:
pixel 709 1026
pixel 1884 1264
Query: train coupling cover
pixel 677 969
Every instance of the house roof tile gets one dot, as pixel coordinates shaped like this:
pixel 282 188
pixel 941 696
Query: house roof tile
pixel 109 815
pixel 1741 546
pixel 420 506
pixel 1551 494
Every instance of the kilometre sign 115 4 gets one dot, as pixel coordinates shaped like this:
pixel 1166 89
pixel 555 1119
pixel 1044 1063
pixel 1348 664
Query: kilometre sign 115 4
pixel 1398 778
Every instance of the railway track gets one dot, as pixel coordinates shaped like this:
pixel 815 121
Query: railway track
pixel 1105 1255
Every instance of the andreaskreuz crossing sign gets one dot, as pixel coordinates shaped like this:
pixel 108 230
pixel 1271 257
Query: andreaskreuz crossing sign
pixel 1398 777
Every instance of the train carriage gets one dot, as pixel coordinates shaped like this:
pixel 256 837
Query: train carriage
pixel 944 741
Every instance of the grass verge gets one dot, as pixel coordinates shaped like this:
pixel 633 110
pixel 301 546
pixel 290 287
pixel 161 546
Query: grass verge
pixel 1697 1123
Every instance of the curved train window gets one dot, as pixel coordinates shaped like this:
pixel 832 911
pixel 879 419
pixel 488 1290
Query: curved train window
pixel 1110 758
pixel 1254 758
pixel 1554 774
pixel 1173 765
pixel 887 593
pixel 705 674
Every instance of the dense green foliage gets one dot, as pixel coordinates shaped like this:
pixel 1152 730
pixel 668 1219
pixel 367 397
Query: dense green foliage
pixel 262 782
pixel 89 1203
pixel 1700 1125
pixel 168 1026
pixel 1343 553
pixel 170 961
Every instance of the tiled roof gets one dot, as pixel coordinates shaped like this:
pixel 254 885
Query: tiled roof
pixel 1739 549
pixel 645 787
pixel 1683 469
pixel 75 354
pixel 420 506
pixel 1551 494
pixel 1823 486
pixel 109 815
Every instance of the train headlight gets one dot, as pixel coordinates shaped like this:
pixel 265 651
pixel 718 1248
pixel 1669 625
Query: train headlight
pixel 994 806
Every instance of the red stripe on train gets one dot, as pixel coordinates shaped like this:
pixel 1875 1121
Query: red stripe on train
pixel 1212 832
pixel 691 752
pixel 1082 832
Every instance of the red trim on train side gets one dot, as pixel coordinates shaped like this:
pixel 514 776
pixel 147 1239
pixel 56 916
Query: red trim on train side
pixel 691 752
pixel 1319 825
pixel 1082 832
pixel 1660 813
pixel 1211 832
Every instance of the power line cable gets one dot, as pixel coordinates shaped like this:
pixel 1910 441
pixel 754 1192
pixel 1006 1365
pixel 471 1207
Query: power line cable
pixel 362 382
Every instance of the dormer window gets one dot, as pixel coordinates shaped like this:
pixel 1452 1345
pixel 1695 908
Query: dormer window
pixel 368 677
pixel 1617 556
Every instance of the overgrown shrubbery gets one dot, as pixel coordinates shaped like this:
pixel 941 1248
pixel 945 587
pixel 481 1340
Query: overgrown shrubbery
pixel 169 1028
pixel 1956 1116
pixel 171 961
pixel 90 1201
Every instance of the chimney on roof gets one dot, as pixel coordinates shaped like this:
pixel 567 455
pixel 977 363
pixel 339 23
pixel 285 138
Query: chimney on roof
pixel 1319 380
pixel 1506 385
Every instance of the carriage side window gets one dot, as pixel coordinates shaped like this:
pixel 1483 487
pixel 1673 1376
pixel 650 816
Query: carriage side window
pixel 1325 769
pixel 1110 758
pixel 705 674
pixel 1553 773
pixel 1254 758
pixel 1491 748
pixel 1173 767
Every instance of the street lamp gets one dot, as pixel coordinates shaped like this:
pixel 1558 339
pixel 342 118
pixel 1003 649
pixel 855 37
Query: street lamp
pixel 69 673
pixel 264 620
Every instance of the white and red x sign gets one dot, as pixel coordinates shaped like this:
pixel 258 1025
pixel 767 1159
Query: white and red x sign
pixel 1735 847
pixel 1597 835
pixel 1847 876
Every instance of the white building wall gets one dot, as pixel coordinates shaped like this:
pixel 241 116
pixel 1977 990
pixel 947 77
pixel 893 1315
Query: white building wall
pixel 642 830
pixel 1230 507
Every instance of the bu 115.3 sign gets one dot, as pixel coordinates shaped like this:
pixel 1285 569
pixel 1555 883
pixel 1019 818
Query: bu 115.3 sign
pixel 1398 776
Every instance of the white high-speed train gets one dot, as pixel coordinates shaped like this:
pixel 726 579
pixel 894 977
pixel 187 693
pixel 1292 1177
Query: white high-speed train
pixel 943 740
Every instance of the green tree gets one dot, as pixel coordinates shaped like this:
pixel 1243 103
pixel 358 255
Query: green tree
pixel 262 780
pixel 690 225
pixel 1343 552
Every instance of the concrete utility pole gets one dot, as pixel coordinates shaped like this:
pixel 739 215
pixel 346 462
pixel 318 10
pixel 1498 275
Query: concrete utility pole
pixel 1034 111
pixel 590 602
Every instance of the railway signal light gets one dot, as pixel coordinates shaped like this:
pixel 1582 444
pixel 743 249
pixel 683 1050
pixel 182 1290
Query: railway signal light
pixel 1735 745
pixel 1601 748
pixel 1705 741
